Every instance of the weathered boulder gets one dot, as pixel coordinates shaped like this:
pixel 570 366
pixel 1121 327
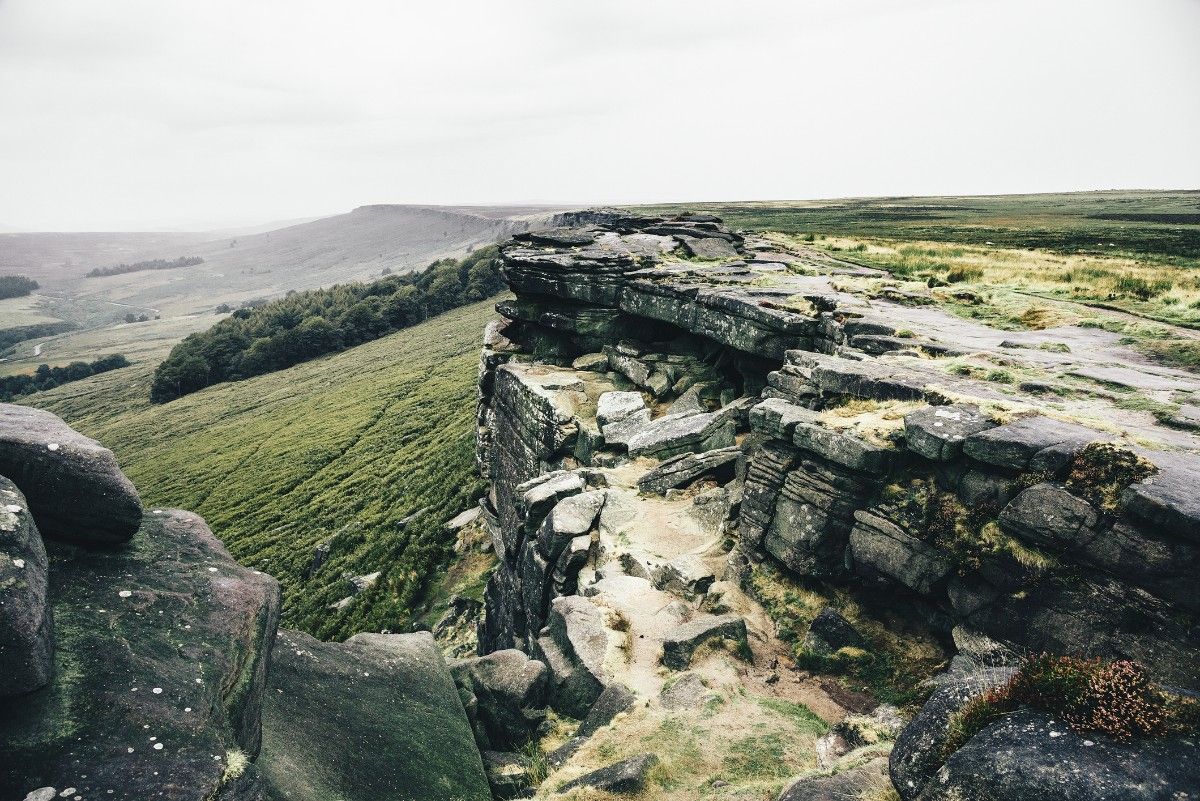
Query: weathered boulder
pixel 1167 500
pixel 377 716
pixel 1048 516
pixel 682 643
pixel 615 699
pixel 917 754
pixel 574 649
pixel 676 434
pixel 161 662
pixel 685 691
pixel 621 415
pixel 857 782
pixel 26 620
pixel 682 470
pixel 73 485
pixel 1028 755
pixel 829 631
pixel 511 692
pixel 626 777
pixel 879 546
pixel 937 432
pixel 686 576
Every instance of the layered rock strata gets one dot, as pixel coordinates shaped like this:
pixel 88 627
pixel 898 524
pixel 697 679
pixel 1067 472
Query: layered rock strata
pixel 812 427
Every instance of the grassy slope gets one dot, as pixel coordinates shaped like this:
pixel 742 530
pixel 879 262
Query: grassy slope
pixel 344 445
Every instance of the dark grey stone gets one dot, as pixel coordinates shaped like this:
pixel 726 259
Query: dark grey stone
pixel 1015 444
pixel 615 699
pixel 73 485
pixel 26 620
pixel 626 777
pixel 683 641
pixel 1048 516
pixel 937 432
pixel 829 631
pixel 1029 755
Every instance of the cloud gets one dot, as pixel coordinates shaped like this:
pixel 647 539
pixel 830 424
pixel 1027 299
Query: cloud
pixel 138 112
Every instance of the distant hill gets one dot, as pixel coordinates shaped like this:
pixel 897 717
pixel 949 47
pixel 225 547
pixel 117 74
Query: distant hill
pixel 340 449
pixel 358 245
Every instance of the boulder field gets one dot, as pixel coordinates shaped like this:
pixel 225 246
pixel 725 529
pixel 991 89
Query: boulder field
pixel 667 406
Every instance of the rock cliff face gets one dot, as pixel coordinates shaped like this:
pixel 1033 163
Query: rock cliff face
pixel 812 427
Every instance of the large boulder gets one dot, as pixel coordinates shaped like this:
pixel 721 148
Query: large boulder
pixel 917 754
pixel 1028 755
pixel 72 483
pixel 375 717
pixel 857 782
pixel 510 691
pixel 162 653
pixel 26 621
pixel 574 647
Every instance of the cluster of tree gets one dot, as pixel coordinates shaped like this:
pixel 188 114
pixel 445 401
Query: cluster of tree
pixel 47 377
pixel 151 264
pixel 20 333
pixel 138 318
pixel 304 325
pixel 15 286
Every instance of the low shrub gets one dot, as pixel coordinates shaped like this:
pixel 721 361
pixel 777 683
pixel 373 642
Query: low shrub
pixel 1114 698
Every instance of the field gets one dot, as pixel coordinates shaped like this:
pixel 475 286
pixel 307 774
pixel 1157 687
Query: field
pixel 337 450
pixel 1159 226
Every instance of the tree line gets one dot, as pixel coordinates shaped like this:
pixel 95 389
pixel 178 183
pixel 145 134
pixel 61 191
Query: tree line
pixel 47 377
pixel 15 286
pixel 149 264
pixel 304 325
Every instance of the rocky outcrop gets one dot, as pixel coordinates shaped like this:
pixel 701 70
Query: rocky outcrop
pixel 26 619
pixel 73 485
pixel 377 716
pixel 651 361
pixel 162 651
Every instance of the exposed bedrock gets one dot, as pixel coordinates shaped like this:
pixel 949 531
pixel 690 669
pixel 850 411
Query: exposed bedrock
pixel 162 651
pixel 653 361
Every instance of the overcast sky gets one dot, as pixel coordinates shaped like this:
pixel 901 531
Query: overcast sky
pixel 127 114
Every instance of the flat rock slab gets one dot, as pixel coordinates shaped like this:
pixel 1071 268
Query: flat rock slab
pixel 1133 379
pixel 73 484
pixel 26 621
pixel 676 434
pixel 938 432
pixel 162 652
pixel 626 777
pixel 683 642
pixel 1018 444
pixel 1169 498
pixel 682 470
pixel 615 699
pixel 375 717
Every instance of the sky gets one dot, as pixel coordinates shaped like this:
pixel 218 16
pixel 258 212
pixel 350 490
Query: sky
pixel 194 114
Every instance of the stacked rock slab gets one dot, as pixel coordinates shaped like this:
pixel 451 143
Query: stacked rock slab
pixel 857 470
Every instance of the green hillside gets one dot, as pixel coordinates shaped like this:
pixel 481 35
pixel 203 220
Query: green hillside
pixel 342 447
